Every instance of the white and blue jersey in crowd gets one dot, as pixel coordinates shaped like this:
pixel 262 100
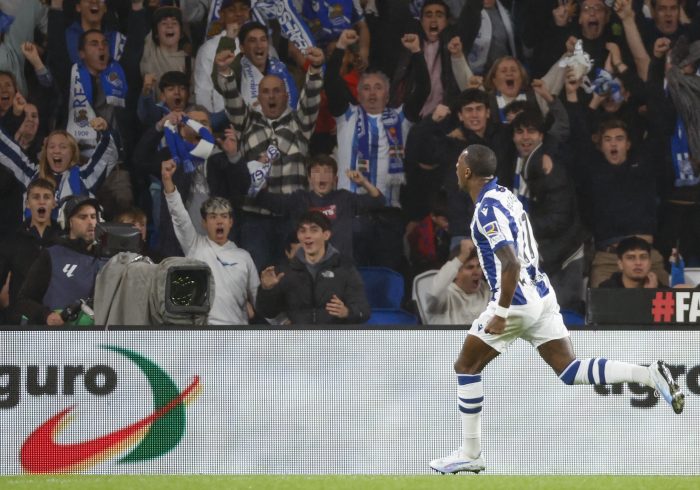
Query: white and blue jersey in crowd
pixel 499 220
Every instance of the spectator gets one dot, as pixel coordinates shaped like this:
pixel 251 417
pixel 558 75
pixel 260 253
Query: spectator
pixel 428 239
pixel 8 91
pixel 235 275
pixel 381 161
pixel 618 190
pixel 59 161
pixel 319 286
pixel 340 206
pixel 673 101
pixel 91 16
pixel 458 293
pixel 444 143
pixel 232 15
pixel 495 36
pixel 542 185
pixel 65 272
pixel 27 17
pixel 174 89
pixel 19 250
pixel 203 169
pixel 167 48
pixel 138 219
pixel 634 262
pixel 276 129
pixel 435 35
pixel 253 63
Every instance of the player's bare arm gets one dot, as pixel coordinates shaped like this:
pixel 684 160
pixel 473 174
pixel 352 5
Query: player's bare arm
pixel 510 272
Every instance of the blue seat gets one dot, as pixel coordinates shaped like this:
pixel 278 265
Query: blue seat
pixel 384 287
pixel 572 318
pixel 391 316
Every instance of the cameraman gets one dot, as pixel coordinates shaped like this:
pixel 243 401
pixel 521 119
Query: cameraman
pixel 63 273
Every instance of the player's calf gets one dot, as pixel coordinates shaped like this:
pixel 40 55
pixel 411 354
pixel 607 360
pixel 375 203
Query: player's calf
pixel 600 371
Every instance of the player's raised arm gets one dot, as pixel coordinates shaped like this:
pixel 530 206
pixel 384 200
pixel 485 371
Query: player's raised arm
pixel 510 272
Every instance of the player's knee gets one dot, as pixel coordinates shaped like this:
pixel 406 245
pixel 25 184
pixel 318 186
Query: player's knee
pixel 465 366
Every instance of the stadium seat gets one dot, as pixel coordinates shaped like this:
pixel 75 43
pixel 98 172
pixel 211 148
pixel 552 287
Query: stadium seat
pixel 421 285
pixel 692 275
pixel 572 318
pixel 391 316
pixel 384 287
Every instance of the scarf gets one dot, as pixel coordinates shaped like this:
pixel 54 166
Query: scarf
pixel 685 142
pixel 328 20
pixel 293 26
pixel 365 146
pixel 502 103
pixel 520 187
pixel 80 110
pixel 251 76
pixel 185 153
pixel 214 16
pixel 115 39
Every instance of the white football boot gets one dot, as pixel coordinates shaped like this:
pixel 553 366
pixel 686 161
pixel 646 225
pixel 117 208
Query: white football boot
pixel 456 462
pixel 666 386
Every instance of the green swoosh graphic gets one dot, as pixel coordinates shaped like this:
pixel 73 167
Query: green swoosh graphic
pixel 166 432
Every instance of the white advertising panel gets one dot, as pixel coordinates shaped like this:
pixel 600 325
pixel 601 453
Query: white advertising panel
pixel 328 402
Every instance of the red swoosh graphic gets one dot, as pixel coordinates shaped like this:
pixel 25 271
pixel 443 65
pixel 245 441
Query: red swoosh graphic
pixel 41 454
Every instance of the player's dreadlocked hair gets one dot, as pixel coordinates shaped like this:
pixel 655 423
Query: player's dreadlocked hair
pixel 481 160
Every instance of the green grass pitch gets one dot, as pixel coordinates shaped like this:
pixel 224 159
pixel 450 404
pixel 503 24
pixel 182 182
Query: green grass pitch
pixel 346 482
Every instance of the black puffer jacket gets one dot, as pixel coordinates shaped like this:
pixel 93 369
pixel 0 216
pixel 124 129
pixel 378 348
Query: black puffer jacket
pixel 303 297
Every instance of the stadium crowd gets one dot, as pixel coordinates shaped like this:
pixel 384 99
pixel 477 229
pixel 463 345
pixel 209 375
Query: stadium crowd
pixel 221 129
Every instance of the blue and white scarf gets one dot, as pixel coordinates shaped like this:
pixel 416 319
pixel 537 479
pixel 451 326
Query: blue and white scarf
pixel 214 14
pixel 251 76
pixel 185 153
pixel 680 154
pixel 293 26
pixel 327 20
pixel 80 106
pixel 365 145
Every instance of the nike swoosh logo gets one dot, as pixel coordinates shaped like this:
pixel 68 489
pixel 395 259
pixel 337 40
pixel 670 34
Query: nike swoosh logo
pixel 63 457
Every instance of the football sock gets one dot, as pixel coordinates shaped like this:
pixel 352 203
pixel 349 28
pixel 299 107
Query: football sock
pixel 470 396
pixel 601 371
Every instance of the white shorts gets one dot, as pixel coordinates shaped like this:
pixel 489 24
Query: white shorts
pixel 536 323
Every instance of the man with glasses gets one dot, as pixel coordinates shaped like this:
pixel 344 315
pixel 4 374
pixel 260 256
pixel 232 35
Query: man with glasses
pixel 235 276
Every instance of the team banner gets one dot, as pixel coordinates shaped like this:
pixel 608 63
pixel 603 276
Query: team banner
pixel 328 402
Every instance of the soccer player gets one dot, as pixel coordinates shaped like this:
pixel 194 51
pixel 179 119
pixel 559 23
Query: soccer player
pixel 523 305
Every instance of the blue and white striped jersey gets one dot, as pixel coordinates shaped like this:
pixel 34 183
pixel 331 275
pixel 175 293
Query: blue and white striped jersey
pixel 499 219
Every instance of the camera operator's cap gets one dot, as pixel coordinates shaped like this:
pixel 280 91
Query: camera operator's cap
pixel 71 205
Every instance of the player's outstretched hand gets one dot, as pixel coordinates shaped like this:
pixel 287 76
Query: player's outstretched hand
pixel 335 307
pixel 269 278
pixel 496 325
